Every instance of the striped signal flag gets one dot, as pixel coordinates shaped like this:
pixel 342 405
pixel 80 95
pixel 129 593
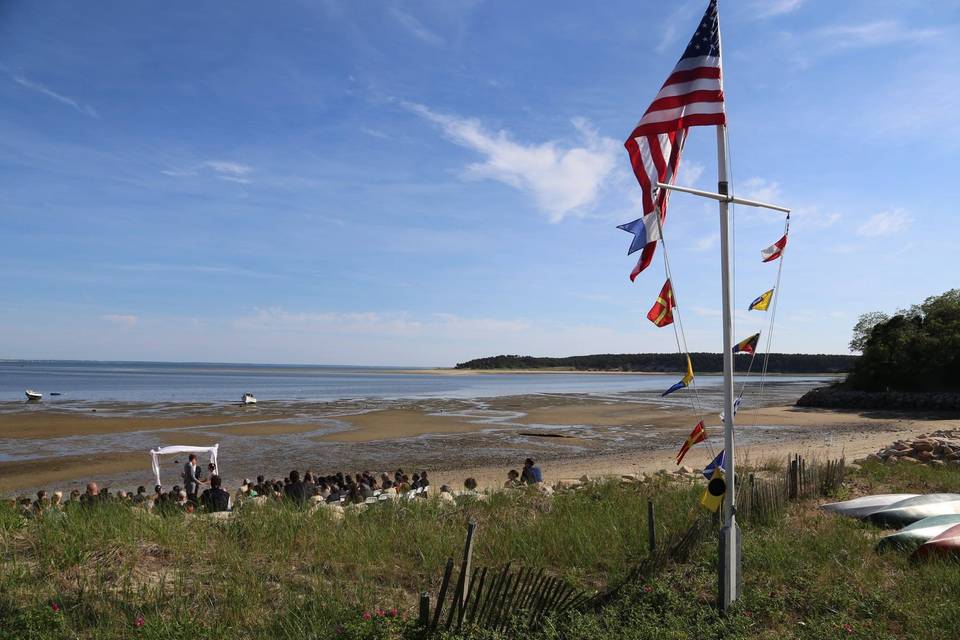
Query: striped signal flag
pixel 661 313
pixel 691 96
pixel 699 434
pixel 747 345
pixel 775 250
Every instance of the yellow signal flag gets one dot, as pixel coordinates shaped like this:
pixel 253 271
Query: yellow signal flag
pixel 712 497
pixel 762 302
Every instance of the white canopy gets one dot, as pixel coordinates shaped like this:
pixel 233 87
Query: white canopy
pixel 154 453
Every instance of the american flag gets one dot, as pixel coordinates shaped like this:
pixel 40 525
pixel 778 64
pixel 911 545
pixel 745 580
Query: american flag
pixel 692 96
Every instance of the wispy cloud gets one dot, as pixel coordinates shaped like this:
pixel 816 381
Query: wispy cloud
pixel 757 188
pixel 562 180
pixel 124 320
pixel 884 223
pixel 415 27
pixel 223 169
pixel 86 110
pixel 871 34
pixel 705 243
pixel 689 173
pixel 768 8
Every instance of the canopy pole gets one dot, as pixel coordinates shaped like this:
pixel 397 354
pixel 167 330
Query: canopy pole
pixel 729 556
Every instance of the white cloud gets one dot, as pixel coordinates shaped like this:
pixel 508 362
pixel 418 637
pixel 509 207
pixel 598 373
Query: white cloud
pixel 562 181
pixel 86 110
pixel 228 168
pixel 871 34
pixel 767 8
pixel 223 169
pixel 885 223
pixel 415 27
pixel 759 189
pixel 689 173
pixel 124 320
pixel 705 243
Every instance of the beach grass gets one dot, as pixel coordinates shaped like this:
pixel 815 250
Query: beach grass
pixel 278 572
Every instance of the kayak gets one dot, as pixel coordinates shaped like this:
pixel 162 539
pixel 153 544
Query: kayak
pixel 921 531
pixel 861 507
pixel 911 510
pixel 945 544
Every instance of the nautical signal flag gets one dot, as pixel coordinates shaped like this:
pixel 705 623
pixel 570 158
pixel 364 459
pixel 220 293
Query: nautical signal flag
pixel 691 96
pixel 699 434
pixel 749 345
pixel 712 498
pixel 716 464
pixel 775 250
pixel 684 382
pixel 661 313
pixel 736 406
pixel 762 302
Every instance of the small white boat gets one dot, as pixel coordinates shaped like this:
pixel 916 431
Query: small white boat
pixel 248 398
pixel 34 395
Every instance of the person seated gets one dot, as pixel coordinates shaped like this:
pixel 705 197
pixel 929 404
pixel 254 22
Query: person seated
pixel 141 496
pixel 424 481
pixel 531 473
pixel 215 498
pixel 445 494
pixel 92 495
pixel 296 490
pixel 182 499
pixel 470 485
pixel 513 480
pixel 42 503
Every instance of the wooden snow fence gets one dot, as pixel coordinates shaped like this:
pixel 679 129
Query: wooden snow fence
pixel 495 598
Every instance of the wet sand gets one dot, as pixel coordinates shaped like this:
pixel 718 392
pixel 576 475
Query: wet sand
pixel 453 439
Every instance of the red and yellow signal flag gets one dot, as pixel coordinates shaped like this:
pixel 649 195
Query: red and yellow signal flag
pixel 699 434
pixel 661 314
pixel 749 345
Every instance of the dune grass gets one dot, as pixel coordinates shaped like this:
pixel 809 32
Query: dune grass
pixel 277 572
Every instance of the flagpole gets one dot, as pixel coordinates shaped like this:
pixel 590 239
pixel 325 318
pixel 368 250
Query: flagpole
pixel 729 560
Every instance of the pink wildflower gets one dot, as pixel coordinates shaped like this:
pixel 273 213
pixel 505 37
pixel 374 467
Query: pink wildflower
pixel 847 627
pixel 380 613
pixel 55 607
pixel 366 615
pixel 139 621
pixel 393 613
pixel 647 589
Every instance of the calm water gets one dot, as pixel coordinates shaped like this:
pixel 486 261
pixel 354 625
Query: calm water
pixel 152 382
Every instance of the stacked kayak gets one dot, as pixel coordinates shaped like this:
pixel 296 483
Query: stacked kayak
pixel 944 545
pixel 900 514
pixel 861 507
pixel 922 531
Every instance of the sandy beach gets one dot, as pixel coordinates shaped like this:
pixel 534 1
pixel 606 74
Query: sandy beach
pixel 569 434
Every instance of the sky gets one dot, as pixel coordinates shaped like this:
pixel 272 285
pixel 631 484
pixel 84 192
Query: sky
pixel 421 183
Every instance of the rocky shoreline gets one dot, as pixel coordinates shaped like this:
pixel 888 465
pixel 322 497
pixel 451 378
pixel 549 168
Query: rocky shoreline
pixel 836 397
pixel 936 449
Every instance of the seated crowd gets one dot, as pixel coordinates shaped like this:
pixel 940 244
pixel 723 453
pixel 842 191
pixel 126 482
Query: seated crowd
pixel 310 488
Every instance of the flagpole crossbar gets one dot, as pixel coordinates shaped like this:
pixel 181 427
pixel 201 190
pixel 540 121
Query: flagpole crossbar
pixel 723 197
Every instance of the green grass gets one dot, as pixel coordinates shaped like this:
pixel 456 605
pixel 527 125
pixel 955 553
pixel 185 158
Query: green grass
pixel 282 573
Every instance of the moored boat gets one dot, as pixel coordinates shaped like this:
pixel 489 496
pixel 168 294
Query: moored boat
pixel 248 398
pixel 34 396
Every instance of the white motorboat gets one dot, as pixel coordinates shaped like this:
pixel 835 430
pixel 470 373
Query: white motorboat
pixel 34 395
pixel 248 398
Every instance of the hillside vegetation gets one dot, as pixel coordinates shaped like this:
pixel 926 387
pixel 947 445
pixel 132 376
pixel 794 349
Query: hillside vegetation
pixel 277 572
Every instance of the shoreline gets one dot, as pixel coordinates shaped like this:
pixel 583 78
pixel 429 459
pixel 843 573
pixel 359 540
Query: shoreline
pixel 568 434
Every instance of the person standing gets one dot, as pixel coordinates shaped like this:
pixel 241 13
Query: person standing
pixel 190 483
pixel 215 498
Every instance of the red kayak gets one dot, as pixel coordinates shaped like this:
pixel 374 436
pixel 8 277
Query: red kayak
pixel 945 544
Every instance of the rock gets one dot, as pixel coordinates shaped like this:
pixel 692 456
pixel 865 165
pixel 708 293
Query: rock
pixel 937 463
pixel 925 456
pixel 584 479
pixel 908 459
pixel 683 471
pixel 923 446
pixel 892 460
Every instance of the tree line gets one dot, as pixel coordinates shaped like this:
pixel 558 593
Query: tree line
pixel 669 362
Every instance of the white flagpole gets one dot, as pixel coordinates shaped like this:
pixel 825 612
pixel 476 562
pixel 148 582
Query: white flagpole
pixel 729 569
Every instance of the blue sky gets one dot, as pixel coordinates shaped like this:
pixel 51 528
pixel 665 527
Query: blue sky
pixel 420 183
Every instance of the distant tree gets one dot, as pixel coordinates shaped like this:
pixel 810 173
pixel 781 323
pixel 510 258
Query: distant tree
pixel 865 324
pixel 918 349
